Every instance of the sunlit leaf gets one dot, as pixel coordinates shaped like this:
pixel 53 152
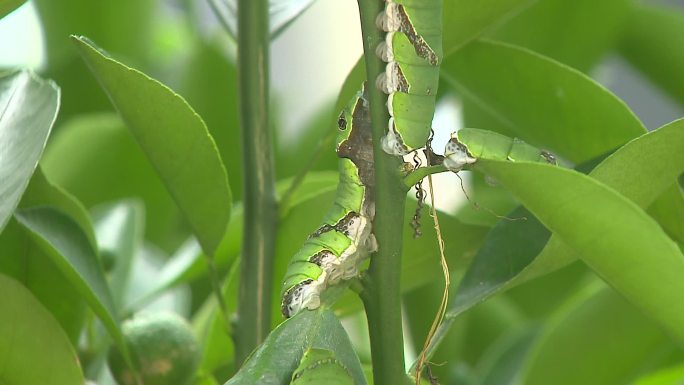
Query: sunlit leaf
pixel 578 208
pixel 632 163
pixel 668 376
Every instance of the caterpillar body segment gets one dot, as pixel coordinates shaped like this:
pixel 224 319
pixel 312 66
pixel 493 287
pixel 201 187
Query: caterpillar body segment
pixel 412 50
pixel 468 145
pixel 334 251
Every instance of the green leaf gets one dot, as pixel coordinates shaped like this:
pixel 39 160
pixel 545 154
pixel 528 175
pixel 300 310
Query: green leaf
pixel 669 376
pixel 101 21
pixel 211 327
pixel 464 20
pixel 124 26
pixel 668 210
pixel 602 334
pixel 578 208
pixel 652 42
pixel 22 259
pixel 175 140
pixel 204 79
pixel 494 198
pixel 41 192
pixel 502 363
pixel 420 260
pixel 575 32
pixel 508 249
pixel 34 350
pixel 95 158
pixel 71 252
pixel 629 171
pixel 120 231
pixel 547 103
pixel 29 107
pixel 274 361
pixel 7 6
pixel 657 150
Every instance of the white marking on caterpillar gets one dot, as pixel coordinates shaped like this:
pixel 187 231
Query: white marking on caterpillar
pixel 392 143
pixel 409 68
pixel 305 295
pixel 335 250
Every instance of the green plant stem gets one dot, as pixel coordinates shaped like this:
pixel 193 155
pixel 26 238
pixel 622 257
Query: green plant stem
pixel 417 175
pixel 254 294
pixel 381 295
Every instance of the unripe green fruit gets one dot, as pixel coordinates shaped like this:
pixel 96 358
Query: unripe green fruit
pixel 163 349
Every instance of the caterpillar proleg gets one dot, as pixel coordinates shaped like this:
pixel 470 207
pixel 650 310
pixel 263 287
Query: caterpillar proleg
pixel 413 52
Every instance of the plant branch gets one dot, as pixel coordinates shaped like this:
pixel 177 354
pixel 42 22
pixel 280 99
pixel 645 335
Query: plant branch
pixel 381 295
pixel 254 294
pixel 418 174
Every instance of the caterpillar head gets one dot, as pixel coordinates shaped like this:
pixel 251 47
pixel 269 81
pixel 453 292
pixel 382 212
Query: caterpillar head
pixel 456 155
pixel 305 294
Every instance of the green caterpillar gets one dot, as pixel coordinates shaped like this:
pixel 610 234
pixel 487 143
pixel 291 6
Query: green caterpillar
pixel 319 366
pixel 469 144
pixel 413 52
pixel 334 251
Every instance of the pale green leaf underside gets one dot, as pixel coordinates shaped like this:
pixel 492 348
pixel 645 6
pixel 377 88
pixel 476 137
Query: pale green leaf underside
pixel 68 247
pixel 28 108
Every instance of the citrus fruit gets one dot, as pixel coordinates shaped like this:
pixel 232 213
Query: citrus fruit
pixel 163 349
